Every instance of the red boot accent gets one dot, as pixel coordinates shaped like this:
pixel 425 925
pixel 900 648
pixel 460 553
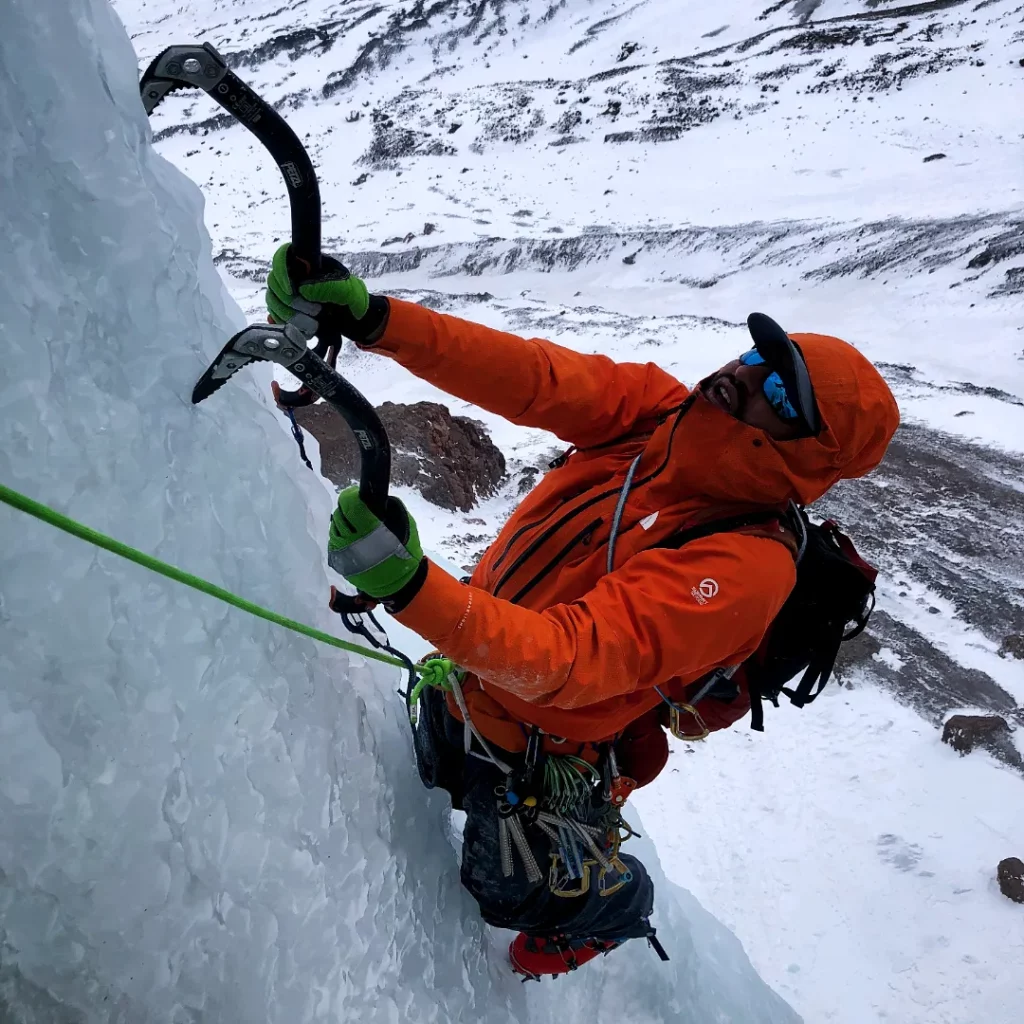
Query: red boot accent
pixel 532 956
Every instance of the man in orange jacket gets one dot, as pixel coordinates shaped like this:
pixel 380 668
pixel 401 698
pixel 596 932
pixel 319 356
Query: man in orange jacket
pixel 576 628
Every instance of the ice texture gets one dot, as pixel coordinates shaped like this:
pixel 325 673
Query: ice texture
pixel 204 817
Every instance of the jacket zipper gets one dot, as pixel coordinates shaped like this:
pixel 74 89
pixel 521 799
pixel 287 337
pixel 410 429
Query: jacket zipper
pixel 555 527
pixel 583 537
pixel 540 541
pixel 529 526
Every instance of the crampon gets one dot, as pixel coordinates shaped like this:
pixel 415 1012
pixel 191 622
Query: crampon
pixel 533 957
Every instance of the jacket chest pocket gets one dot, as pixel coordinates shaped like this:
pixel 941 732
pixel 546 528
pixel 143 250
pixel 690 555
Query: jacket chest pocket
pixel 543 558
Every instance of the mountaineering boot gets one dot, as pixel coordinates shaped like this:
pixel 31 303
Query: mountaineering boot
pixel 531 956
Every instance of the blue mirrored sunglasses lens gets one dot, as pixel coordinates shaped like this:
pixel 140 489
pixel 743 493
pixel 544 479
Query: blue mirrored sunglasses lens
pixel 774 389
pixel 775 392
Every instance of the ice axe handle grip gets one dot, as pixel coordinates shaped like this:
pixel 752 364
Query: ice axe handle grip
pixel 302 264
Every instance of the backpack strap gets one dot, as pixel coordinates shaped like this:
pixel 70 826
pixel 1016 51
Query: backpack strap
pixel 817 674
pixel 790 529
pixel 748 522
pixel 756 707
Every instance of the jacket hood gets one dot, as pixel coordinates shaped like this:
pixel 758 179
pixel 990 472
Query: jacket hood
pixel 859 417
pixel 859 413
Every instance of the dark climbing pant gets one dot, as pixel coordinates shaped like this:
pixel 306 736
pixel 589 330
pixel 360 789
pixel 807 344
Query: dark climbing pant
pixel 517 903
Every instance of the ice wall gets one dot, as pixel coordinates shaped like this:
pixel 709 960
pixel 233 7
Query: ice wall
pixel 203 817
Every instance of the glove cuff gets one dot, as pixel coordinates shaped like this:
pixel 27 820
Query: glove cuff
pixel 369 329
pixel 396 602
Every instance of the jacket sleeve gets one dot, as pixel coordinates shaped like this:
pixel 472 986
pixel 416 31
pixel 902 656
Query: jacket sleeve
pixel 583 399
pixel 665 613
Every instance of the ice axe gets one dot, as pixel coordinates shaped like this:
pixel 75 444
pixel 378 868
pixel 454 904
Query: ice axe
pixel 199 66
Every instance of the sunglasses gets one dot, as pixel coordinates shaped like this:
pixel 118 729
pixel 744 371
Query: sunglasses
pixel 774 389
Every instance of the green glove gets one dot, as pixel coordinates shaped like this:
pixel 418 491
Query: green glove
pixel 334 286
pixel 378 558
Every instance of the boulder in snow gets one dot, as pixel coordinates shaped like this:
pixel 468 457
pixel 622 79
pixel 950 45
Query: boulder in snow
pixel 449 459
pixel 965 733
pixel 1010 874
pixel 1012 646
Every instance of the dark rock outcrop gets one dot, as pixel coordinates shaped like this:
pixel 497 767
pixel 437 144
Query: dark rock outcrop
pixel 1010 875
pixel 1012 646
pixel 449 459
pixel 965 733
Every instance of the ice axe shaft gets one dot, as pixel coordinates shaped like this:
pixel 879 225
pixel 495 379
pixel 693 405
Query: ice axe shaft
pixel 199 66
pixel 286 346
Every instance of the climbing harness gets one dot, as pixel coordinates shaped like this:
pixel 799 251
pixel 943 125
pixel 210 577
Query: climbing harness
pixel 554 793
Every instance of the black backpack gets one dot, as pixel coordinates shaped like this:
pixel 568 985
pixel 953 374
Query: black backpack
pixel 830 604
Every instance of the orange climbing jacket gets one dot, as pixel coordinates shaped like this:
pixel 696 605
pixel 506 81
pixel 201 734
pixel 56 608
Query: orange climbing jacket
pixel 548 636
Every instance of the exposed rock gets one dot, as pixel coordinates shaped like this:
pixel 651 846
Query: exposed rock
pixel 934 156
pixel 965 733
pixel 1012 647
pixel 1013 283
pixel 393 141
pixel 449 459
pixel 1010 874
pixel 527 479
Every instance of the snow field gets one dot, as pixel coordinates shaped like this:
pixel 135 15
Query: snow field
pixel 854 855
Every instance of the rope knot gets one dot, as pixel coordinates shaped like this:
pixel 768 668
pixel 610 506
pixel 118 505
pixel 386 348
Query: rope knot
pixel 435 671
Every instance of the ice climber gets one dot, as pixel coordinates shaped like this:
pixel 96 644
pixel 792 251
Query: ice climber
pixel 577 643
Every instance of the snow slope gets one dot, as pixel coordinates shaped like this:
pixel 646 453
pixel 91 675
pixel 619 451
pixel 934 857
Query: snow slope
pixel 858 866
pixel 204 818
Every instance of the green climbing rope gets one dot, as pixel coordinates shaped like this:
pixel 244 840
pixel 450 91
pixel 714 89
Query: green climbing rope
pixel 433 672
pixel 101 540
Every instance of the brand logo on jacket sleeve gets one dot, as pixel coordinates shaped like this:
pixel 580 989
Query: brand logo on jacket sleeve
pixel 705 590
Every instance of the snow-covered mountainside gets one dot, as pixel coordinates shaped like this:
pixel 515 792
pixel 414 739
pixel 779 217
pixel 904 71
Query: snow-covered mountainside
pixel 203 819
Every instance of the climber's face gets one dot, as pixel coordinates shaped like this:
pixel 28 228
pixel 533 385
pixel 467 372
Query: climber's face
pixel 750 390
